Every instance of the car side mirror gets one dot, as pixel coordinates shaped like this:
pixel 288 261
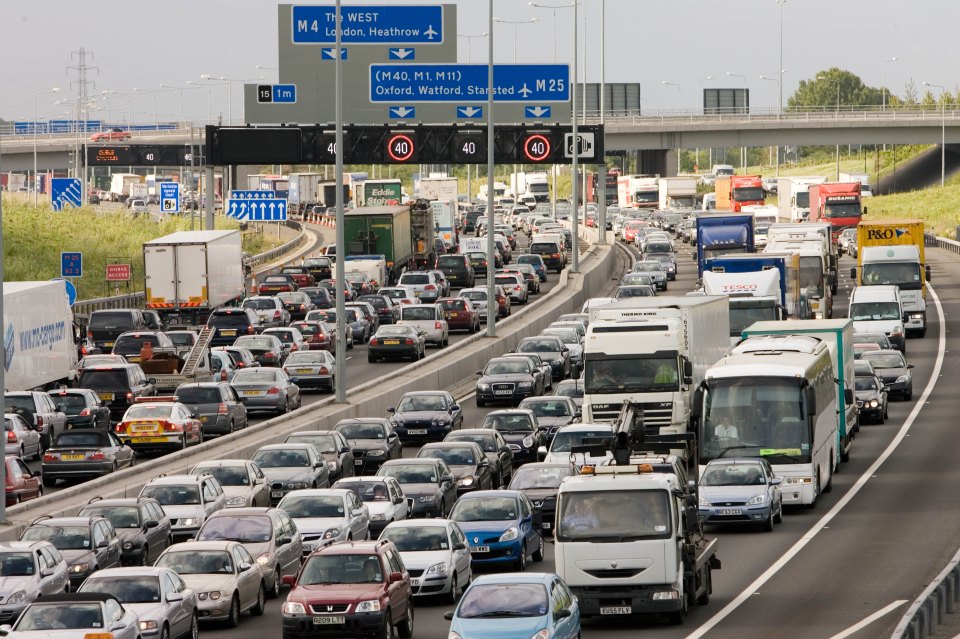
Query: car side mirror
pixel 396 577
pixel 410 504
pixel 885 389
pixel 454 408
pixel 446 479
pixel 541 453
pixel 37 473
pixel 150 523
pixel 391 409
pixel 853 272
pixel 46 572
pixel 459 546
pixel 283 541
pixel 563 613
pixel 289 580
pixel 103 543
pixel 244 567
pixel 448 615
pixel 926 269
pixel 175 596
pixel 776 481
pixel 151 380
pixel 909 365
pixel 848 397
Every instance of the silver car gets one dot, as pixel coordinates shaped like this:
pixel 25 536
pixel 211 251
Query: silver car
pixel 424 284
pixel 311 369
pixel 243 483
pixel 326 515
pixel 269 309
pixel 30 569
pixel 266 388
pixel 267 533
pixel 23 441
pixel 436 554
pixel 292 467
pixel 69 615
pixel 655 270
pixel 333 448
pixel 86 543
pixel 224 575
pixel 165 606
pixel 187 500
pixel 383 497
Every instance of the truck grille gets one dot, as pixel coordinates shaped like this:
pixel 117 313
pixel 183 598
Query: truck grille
pixel 322 609
pixel 655 414
pixel 615 573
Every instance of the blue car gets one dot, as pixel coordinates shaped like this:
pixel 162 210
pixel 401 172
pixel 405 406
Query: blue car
pixel 516 606
pixel 501 526
pixel 536 262
pixel 740 491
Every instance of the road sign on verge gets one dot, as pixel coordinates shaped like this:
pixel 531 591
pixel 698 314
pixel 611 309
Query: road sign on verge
pixel 66 192
pixel 71 264
pixel 271 210
pixel 253 195
pixel 277 93
pixel 585 145
pixel 170 197
pixel 468 82
pixel 379 24
pixel 71 289
pixel 118 272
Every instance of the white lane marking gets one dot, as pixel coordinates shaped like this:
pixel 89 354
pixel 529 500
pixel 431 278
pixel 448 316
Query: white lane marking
pixel 467 396
pixel 792 552
pixel 869 620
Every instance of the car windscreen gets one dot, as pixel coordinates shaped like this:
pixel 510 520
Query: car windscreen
pixel 173 494
pixel 419 539
pixel 128 589
pixel 199 395
pixel 525 478
pixel 62 537
pixel 411 474
pixel 197 562
pixel 323 442
pixel 485 509
pixel 245 529
pixel 282 459
pixel 118 516
pixel 361 431
pixel 453 456
pixel 99 379
pixel 304 506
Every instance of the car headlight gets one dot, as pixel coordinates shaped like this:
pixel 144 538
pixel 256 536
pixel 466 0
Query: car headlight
pixel 510 534
pixel 78 568
pixel 294 485
pixel 756 501
pixel 704 502
pixel 874 403
pixel 294 608
pixel 897 330
pixel 332 465
pixel 465 481
pixel 427 499
pixel 376 453
pixel 903 379
pixel 331 533
pixel 148 625
pixel 236 501
pixel 525 385
pixel 377 517
pixel 127 545
pixel 483 387
pixel 916 316
pixel 17 597
pixel 541 634
pixel 527 441
pixel 189 521
pixel 437 569
pixel 264 559
pixel 213 595
pixel 370 605
pixel 453 635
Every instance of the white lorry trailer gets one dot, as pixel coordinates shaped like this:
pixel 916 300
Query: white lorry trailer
pixel 793 197
pixel 678 192
pixel 39 336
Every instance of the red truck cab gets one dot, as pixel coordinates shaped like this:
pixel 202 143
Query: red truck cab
pixel 838 204
pixel 746 190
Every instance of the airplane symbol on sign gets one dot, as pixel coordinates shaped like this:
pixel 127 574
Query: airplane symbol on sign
pixel 525 91
pixel 430 32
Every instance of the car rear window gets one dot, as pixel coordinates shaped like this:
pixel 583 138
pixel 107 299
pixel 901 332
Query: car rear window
pixel 100 379
pixel 111 320
pixel 67 440
pixel 450 261
pixel 131 344
pixel 68 404
pixel 414 278
pixel 199 395
pixel 453 305
pixel 233 319
pixel 543 247
pixel 414 313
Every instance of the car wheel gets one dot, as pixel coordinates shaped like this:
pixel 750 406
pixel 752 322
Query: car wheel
pixel 233 618
pixel 183 442
pixel 522 562
pixel 454 595
pixel 371 359
pixel 768 524
pixel 20 452
pixel 274 592
pixel 386 632
pixel 165 633
pixel 260 607
pixel 778 518
pixel 194 628
pixel 909 395
pixel 405 629
pixel 480 403
pixel 538 553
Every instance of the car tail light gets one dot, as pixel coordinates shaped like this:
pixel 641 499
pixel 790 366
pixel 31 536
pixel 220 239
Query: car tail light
pixel 222 409
pixel 85 412
pixel 303 307
pixel 11 436
pixel 129 398
pixel 90 334
pixel 241 365
pixel 171 426
pixel 438 325
pixel 223 376
pixel 97 456
pixel 556 255
pixel 408 341
pixel 373 341
pixel 39 421
pixel 250 330
pixel 50 457
pixel 120 428
pixel 268 355
pixel 276 315
pixel 324 370
pixel 429 287
pixel 294 347
pixel 273 390
pixel 516 288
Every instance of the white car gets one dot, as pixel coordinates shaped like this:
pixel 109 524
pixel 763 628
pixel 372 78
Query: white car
pixel 400 294
pixel 269 309
pixel 436 554
pixel 428 318
pixel 326 515
pixel 383 497
pixel 187 500
pixel 424 284
pixel 575 435
pixel 477 297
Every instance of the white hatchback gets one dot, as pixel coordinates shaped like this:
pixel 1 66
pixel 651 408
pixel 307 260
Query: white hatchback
pixel 428 318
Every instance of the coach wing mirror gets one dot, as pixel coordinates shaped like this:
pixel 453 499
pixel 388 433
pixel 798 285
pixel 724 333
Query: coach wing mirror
pixel 864 211
pixel 848 396
pixel 926 269
pixel 810 401
pixel 696 409
pixel 687 371
pixel 853 273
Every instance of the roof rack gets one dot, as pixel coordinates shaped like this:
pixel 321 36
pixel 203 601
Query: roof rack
pixel 41 518
pixel 93 499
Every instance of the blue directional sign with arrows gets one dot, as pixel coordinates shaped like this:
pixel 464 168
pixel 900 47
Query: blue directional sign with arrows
pixel 330 53
pixel 66 192
pixel 252 195
pixel 402 112
pixel 537 112
pixel 468 82
pixel 469 112
pixel 403 53
pixel 369 24
pixel 258 210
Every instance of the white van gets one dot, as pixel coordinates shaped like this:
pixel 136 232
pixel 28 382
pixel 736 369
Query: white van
pixel 429 319
pixel 876 309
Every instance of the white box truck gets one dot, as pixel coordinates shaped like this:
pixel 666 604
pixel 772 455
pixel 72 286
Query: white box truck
pixel 654 352
pixel 39 337
pixel 191 273
pixel 793 197
pixel 678 192
pixel 303 191
pixel 443 192
pixel 862 178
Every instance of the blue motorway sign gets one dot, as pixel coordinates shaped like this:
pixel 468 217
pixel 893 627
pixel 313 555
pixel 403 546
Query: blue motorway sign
pixel 469 112
pixel 468 82
pixel 330 53
pixel 369 24
pixel 537 111
pixel 277 93
pixel 258 210
pixel 253 195
pixel 71 264
pixel 169 197
pixel 65 192
pixel 402 112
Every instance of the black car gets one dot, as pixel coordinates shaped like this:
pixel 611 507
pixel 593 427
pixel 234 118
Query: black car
pixel 457 269
pixel 215 404
pixel 319 296
pixel 540 481
pixel 320 267
pixel 494 446
pixel 141 525
pixel 373 441
pixel 429 482
pixel 553 412
pixel 396 342
pixel 231 323
pixel 82 407
pixel 117 385
pixel 387 310
pixel 553 256
pixel 508 379
pixel 551 349
pixel 426 416
pixel 871 398
pixel 106 326
pixel 470 466
pixel 892 369
pixel 520 429
pixel 331 286
pixel 267 349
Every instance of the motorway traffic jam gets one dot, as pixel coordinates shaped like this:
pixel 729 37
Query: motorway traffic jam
pixel 715 389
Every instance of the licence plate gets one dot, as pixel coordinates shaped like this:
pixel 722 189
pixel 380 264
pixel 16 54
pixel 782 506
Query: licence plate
pixel 503 392
pixel 415 582
pixel 303 370
pixel 454 315
pixel 328 621
pixel 417 431
pixel 480 549
pixel 358 462
pixel 417 293
pixel 72 457
pixel 253 393
pixel 228 333
pixel 144 428
pixel 391 341
pixel 276 494
pixel 108 344
pixel 616 610
pixel 107 397
pixel 546 525
pixel 204 418
pixel 139 439
pixel 729 511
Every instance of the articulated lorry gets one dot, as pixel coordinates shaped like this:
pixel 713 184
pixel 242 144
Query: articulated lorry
pixel 892 252
pixel 189 274
pixel 39 337
pixel 736 191
pixel 838 335
pixel 442 191
pixel 793 197
pixel 652 352
pixel 862 178
pixel 327 194
pixel 739 276
pixel 638 191
pixel 723 235
pixel 836 204
pixel 816 279
pixel 678 192
pixel 303 191
pixel 402 234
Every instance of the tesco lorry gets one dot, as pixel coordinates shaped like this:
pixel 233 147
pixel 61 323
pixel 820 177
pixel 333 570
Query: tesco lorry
pixel 38 334
pixel 652 351
pixel 750 296
pixel 892 252
pixel 754 296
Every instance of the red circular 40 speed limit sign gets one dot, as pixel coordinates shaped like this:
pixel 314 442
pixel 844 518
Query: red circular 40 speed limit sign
pixel 400 147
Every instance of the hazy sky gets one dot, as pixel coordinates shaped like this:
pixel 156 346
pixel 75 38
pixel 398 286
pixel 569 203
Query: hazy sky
pixel 143 45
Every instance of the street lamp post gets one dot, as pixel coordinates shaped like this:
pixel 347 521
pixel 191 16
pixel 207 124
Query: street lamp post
pixel 883 82
pixel 470 38
pixel 515 23
pixel 780 76
pixel 35 94
pixel 943 130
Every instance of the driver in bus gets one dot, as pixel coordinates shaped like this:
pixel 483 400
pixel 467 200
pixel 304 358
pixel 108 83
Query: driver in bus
pixel 727 424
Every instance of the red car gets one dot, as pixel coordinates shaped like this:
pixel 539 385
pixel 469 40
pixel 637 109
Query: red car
pixel 113 135
pixel 300 274
pixel 460 314
pixel 319 336
pixel 22 484
pixel 277 283
pixel 503 301
pixel 350 589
